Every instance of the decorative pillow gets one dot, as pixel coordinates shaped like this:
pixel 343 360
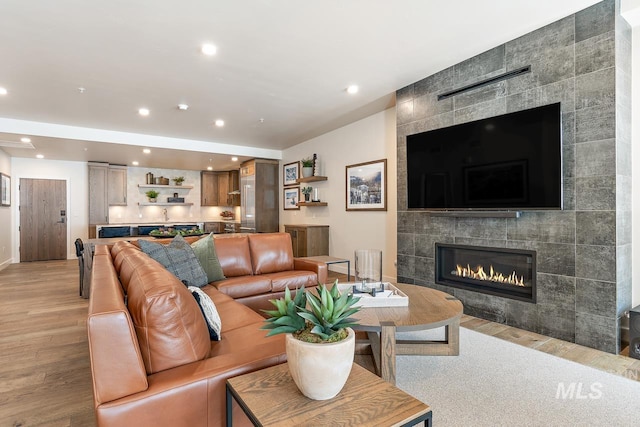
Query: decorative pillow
pixel 209 312
pixel 179 259
pixel 205 251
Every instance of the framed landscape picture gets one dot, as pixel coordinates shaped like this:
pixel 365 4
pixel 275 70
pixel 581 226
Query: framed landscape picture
pixel 290 173
pixel 367 186
pixel 291 198
pixel 5 190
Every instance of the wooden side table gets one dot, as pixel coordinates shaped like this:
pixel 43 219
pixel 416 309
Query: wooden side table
pixel 269 397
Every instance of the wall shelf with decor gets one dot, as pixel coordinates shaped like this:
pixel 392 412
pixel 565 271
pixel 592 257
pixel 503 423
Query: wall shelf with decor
pixel 311 179
pixel 311 204
pixel 163 204
pixel 177 187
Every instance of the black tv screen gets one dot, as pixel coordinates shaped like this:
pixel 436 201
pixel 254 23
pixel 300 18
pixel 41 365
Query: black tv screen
pixel 512 161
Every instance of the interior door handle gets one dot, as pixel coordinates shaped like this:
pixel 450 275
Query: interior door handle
pixel 62 221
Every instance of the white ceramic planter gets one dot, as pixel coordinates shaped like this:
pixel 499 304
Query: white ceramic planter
pixel 307 171
pixel 320 370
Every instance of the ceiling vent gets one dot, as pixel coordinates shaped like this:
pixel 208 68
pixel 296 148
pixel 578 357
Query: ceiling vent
pixel 16 144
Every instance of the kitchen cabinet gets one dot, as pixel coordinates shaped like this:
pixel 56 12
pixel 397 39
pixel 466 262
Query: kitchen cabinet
pixel 98 197
pixel 216 186
pixel 234 188
pixel 117 185
pixel 214 227
pixel 309 240
pixel 208 188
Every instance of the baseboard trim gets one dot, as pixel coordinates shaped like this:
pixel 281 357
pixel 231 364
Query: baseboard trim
pixel 5 264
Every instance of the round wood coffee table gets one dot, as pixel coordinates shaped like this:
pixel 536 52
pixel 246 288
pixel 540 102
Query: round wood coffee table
pixel 427 309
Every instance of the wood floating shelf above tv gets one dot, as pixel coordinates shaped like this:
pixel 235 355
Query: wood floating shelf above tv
pixel 312 204
pixel 311 179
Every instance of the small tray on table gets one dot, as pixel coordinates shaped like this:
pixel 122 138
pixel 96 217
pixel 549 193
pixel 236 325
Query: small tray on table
pixel 391 296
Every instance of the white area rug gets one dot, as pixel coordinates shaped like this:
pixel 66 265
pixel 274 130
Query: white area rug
pixel 497 383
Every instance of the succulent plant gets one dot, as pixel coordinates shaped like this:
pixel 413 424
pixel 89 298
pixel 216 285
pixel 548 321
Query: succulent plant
pixel 286 319
pixel 152 194
pixel 324 321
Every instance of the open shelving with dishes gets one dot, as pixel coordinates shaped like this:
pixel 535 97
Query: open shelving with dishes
pixel 160 187
pixel 163 204
pixel 176 187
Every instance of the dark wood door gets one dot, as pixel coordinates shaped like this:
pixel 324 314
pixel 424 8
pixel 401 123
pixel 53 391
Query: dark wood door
pixel 43 219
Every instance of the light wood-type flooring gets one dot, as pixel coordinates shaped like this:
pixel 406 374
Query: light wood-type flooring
pixel 44 361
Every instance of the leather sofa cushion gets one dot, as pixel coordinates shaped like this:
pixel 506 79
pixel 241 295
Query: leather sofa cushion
pixel 233 254
pixel 294 279
pixel 237 287
pixel 170 327
pixel 271 252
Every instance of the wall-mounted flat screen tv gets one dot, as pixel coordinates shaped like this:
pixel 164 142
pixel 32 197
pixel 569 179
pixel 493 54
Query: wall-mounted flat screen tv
pixel 507 162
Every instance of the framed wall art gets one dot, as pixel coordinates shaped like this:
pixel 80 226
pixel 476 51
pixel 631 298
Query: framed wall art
pixel 290 173
pixel 367 186
pixel 5 190
pixel 291 197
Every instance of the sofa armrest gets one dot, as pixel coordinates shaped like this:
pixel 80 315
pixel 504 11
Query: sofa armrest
pixel 192 394
pixel 318 267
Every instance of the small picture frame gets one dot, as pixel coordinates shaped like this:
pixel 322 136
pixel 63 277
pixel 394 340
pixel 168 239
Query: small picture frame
pixel 5 190
pixel 291 197
pixel 290 173
pixel 366 186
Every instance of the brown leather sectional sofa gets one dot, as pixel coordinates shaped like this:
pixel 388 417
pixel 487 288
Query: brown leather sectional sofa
pixel 152 361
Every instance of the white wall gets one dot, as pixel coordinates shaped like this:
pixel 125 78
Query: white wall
pixel 76 175
pixel 5 216
pixel 372 138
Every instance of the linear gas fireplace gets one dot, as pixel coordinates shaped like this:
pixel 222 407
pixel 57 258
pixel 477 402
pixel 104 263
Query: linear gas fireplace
pixel 510 273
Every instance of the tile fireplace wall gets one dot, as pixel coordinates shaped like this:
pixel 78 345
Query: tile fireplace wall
pixel 583 251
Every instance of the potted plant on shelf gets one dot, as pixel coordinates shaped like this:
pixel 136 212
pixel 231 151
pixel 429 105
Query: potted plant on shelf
pixel 307 193
pixel 307 167
pixel 178 180
pixel 320 343
pixel 152 195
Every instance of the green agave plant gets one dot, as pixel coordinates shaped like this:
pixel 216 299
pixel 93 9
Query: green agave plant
pixel 324 321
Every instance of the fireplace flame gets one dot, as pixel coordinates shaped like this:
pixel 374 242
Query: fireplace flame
pixel 493 276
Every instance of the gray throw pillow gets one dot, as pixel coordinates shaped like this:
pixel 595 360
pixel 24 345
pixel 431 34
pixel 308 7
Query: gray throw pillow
pixel 205 251
pixel 179 259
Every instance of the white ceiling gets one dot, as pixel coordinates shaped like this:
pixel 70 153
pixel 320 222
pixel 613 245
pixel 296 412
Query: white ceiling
pixel 287 62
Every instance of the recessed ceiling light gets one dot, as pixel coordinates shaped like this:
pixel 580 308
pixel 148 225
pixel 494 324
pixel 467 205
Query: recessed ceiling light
pixel 352 89
pixel 234 159
pixel 40 156
pixel 209 168
pixel 144 111
pixel 134 163
pixel 25 140
pixel 3 91
pixel 208 49
pixel 146 151
pixel 81 89
pixel 219 123
pixel 183 107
